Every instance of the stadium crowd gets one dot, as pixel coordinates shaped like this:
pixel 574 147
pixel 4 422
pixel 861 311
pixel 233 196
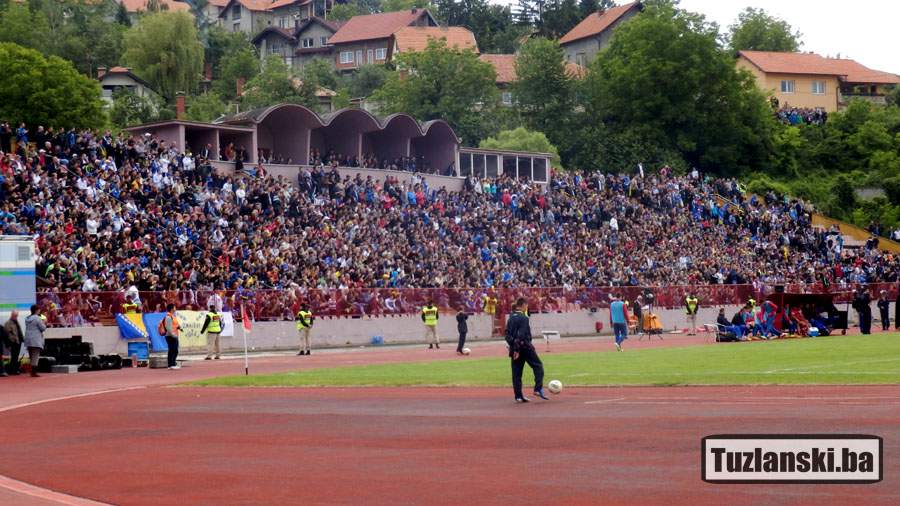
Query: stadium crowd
pixel 115 212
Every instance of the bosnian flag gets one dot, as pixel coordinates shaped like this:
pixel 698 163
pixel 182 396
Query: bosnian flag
pixel 131 326
pixel 245 318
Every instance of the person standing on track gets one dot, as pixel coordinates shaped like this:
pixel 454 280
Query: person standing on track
pixel 35 325
pixel 691 305
pixel 463 328
pixel 884 307
pixel 212 325
pixel 618 318
pixel 172 328
pixel 430 318
pixel 521 351
pixel 304 324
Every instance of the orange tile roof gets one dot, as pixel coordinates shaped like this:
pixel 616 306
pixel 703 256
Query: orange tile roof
pixel 855 72
pixel 790 63
pixel 218 3
pixel 141 5
pixel 597 22
pixel 281 3
pixel 850 71
pixel 505 67
pixel 415 38
pixel 375 26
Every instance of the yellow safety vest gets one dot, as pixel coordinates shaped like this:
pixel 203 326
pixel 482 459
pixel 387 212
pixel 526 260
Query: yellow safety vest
pixel 130 308
pixel 431 315
pixel 215 323
pixel 691 304
pixel 304 320
pixel 490 305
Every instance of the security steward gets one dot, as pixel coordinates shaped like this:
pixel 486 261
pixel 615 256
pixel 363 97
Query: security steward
pixel 430 318
pixel 129 307
pixel 212 325
pixel 304 323
pixel 691 305
pixel 521 351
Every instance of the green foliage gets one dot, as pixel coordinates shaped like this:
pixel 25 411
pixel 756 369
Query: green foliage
pixel 442 83
pixel 221 43
pixel 403 5
pixel 128 109
pixel 276 84
pixel 345 11
pixel 664 80
pixel 241 63
pixel 756 30
pixel 367 79
pixel 522 139
pixel 46 91
pixel 560 16
pixel 19 25
pixel 341 100
pixel 205 107
pixel 324 72
pixel 544 93
pixel 163 49
pixel 493 25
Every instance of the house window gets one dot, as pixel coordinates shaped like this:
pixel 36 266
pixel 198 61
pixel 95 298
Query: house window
pixel 274 48
pixel 818 87
pixel 581 59
pixel 323 40
pixel 236 12
pixel 310 42
pixel 289 61
pixel 787 86
pixel 236 27
pixel 506 97
pixel 346 56
pixel 381 53
pixel 359 57
pixel 370 56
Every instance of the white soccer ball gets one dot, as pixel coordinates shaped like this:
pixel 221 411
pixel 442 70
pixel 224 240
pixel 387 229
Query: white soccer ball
pixel 466 351
pixel 555 386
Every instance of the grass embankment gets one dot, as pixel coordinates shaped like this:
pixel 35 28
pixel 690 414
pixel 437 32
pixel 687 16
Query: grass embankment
pixel 823 360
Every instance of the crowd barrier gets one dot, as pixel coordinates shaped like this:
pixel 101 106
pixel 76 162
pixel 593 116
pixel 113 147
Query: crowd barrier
pixel 73 309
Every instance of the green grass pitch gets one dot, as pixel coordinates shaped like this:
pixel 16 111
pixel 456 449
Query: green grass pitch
pixel 824 360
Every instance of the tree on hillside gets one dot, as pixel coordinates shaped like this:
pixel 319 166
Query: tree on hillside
pixel 205 107
pixel 665 81
pixel 46 91
pixel 19 25
pixel 366 80
pixel 345 11
pixel 560 17
pixel 757 30
pixel 544 93
pixel 163 48
pixel 128 109
pixel 403 5
pixel 442 83
pixel 242 63
pixel 276 84
pixel 521 139
pixel 586 7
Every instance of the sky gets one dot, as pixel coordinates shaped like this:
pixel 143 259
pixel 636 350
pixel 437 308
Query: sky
pixel 865 30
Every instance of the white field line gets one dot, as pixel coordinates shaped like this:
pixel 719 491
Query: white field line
pixel 602 401
pixel 67 397
pixel 837 364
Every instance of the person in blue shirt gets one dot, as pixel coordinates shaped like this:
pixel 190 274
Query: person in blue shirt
pixel 618 317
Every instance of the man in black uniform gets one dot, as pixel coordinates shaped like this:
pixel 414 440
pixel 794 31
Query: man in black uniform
pixel 861 303
pixel 884 307
pixel 463 328
pixel 521 351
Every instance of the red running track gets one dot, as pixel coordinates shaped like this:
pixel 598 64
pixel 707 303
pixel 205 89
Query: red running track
pixel 634 445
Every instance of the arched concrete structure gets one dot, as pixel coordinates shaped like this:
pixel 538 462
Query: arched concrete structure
pixel 344 130
pixel 439 147
pixel 394 140
pixel 285 131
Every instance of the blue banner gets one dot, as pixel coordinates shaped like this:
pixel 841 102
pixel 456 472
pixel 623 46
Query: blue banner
pixel 131 326
pixel 151 321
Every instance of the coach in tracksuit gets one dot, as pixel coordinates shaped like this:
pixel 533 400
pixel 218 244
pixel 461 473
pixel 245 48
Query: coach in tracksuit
pixel 521 351
pixel 462 327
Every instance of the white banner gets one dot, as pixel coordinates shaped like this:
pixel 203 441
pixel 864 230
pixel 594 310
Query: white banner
pixel 227 324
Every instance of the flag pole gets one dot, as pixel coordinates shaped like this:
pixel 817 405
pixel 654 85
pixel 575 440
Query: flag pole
pixel 244 332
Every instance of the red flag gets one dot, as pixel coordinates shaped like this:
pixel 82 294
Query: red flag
pixel 245 318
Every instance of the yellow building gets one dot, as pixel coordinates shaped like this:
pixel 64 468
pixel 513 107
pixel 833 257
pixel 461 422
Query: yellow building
pixel 808 80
